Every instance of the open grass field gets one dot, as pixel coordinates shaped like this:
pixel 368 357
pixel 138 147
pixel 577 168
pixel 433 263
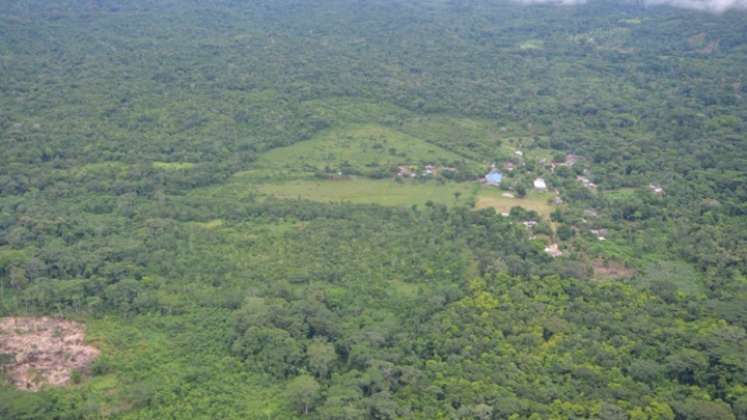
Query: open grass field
pixel 173 166
pixel 388 193
pixel 492 197
pixel 476 139
pixel 360 148
pixel 384 192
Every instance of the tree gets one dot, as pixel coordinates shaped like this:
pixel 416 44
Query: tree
pixel 321 356
pixel 271 348
pixel 565 232
pixel 304 393
pixel 18 278
pixel 703 410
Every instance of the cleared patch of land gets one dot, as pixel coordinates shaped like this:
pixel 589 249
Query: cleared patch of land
pixel 43 351
pixel 532 44
pixel 612 270
pixel 493 197
pixel 384 192
pixel 365 149
pixel 173 166
pixel 477 139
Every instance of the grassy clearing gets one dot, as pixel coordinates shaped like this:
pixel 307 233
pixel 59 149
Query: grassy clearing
pixel 384 192
pixel 110 168
pixel 681 275
pixel 528 146
pixel 173 166
pixel 476 139
pixel 532 44
pixel 493 197
pixel 621 193
pixel 360 148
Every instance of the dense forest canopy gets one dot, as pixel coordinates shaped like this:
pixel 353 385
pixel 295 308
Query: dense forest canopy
pixel 274 209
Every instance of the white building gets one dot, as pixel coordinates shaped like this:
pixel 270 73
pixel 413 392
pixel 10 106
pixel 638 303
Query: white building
pixel 539 184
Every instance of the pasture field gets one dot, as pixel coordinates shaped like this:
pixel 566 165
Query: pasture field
pixel 388 193
pixel 366 149
pixel 383 192
pixel 173 166
pixel 493 197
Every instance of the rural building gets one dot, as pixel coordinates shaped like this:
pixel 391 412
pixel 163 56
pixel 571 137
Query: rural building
pixel 601 234
pixel 586 182
pixel 539 184
pixel 406 171
pixel 553 250
pixel 493 178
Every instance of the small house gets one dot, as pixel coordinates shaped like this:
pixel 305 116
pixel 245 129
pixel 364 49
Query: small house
pixel 553 250
pixel 586 182
pixel 407 171
pixel 494 178
pixel 601 234
pixel 539 184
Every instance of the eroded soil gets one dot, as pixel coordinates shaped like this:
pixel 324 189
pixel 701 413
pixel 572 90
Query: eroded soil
pixel 43 351
pixel 612 270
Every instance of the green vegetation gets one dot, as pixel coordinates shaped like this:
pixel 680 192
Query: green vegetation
pixel 502 202
pixel 369 150
pixel 176 166
pixel 385 193
pixel 223 193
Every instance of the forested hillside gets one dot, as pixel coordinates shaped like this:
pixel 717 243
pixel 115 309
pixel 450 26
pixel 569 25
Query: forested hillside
pixel 285 209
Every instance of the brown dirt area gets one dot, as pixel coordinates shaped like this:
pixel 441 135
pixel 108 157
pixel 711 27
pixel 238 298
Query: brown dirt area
pixel 611 270
pixel 46 350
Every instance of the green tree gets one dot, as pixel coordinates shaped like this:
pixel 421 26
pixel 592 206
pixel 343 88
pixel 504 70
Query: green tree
pixel 321 356
pixel 304 392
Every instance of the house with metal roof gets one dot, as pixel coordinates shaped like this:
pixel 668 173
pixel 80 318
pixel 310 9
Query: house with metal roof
pixel 493 178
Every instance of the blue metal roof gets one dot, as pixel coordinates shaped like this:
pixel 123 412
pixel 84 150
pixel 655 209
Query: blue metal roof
pixel 494 177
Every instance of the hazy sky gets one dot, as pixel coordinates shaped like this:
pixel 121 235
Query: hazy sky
pixel 715 6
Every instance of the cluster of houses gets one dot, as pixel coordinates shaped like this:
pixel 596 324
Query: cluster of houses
pixel 412 171
pixel 569 160
pixel 553 250
pixel 601 234
pixel 494 178
pixel 586 182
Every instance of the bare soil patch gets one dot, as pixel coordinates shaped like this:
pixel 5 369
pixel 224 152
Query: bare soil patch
pixel 44 351
pixel 611 270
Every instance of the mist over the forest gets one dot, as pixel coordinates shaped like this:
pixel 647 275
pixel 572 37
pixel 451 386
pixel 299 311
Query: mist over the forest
pixel 713 6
